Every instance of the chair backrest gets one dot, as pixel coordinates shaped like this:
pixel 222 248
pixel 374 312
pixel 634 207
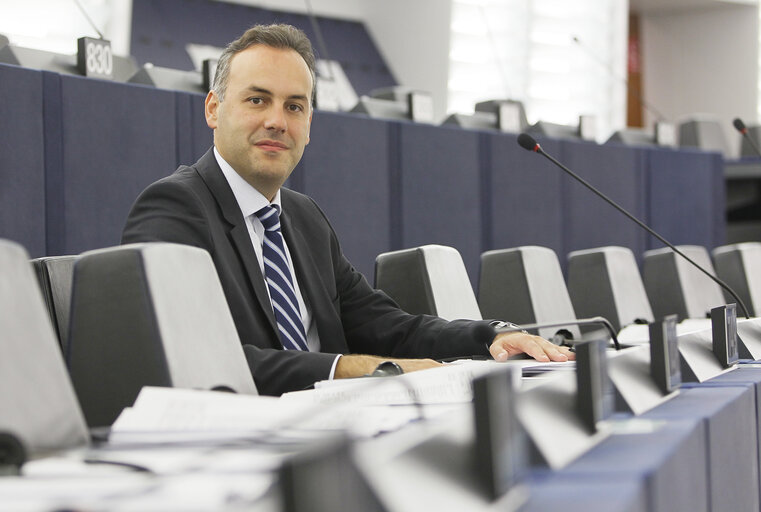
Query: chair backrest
pixel 606 282
pixel 704 132
pixel 525 285
pixel 37 400
pixel 150 314
pixel 739 265
pixel 674 286
pixel 55 274
pixel 430 280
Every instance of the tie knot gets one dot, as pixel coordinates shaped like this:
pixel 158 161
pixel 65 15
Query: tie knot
pixel 269 216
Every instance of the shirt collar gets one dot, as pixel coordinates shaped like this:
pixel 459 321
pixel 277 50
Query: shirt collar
pixel 249 199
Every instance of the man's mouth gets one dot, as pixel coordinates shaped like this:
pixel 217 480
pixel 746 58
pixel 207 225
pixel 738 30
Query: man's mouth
pixel 271 145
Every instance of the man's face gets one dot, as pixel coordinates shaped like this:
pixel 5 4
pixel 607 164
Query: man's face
pixel 262 125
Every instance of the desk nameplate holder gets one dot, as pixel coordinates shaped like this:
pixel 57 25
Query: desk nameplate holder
pixel 441 463
pixel 647 377
pixel 95 58
pixel 697 350
pixel 509 117
pixel 501 454
pixel 724 330
pixel 326 478
pixel 420 106
pixel 550 412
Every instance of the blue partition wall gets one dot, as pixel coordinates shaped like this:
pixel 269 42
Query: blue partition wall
pixel 116 139
pixel 523 196
pixel 22 158
pixel 618 172
pixel 685 192
pixel 76 153
pixel 438 193
pixel 345 168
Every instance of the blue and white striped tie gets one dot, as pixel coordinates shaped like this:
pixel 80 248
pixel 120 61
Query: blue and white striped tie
pixel 280 282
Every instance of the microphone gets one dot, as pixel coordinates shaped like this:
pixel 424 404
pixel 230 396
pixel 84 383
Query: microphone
pixel 740 126
pixel 578 321
pixel 636 89
pixel 526 141
pixel 89 20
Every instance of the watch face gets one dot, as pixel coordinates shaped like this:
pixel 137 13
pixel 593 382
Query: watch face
pixel 387 369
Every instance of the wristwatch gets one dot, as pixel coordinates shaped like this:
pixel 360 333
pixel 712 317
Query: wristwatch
pixel 387 369
pixel 499 325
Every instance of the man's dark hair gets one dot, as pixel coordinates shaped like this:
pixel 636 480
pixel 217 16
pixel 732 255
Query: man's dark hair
pixel 274 36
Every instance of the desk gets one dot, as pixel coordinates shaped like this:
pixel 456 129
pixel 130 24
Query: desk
pixel 731 443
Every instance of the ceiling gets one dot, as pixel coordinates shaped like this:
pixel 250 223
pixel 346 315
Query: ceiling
pixel 651 6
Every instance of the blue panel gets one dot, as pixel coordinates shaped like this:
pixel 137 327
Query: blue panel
pixel 671 462
pixel 440 190
pixel 750 377
pixel 22 171
pixel 729 414
pixel 117 139
pixel 525 196
pixel 345 169
pixel 686 197
pixel 194 137
pixel 573 493
pixel 203 136
pixel 618 172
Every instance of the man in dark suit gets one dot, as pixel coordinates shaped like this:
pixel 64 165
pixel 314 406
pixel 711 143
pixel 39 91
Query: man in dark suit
pixel 301 310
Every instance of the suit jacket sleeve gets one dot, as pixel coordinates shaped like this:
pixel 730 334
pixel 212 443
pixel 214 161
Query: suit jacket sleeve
pixel 374 324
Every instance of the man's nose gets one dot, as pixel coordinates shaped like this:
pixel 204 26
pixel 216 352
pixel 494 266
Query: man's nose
pixel 275 119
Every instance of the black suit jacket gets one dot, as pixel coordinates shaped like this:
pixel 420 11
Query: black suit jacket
pixel 195 206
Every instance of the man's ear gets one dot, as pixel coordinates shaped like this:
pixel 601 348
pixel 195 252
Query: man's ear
pixel 210 108
pixel 309 125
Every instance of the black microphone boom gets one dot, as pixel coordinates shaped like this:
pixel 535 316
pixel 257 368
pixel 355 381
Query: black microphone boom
pixel 740 126
pixel 526 141
pixel 578 321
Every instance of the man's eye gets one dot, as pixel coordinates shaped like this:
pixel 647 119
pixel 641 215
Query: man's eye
pixel 255 101
pixel 296 107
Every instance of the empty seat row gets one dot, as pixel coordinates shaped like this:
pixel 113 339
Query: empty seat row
pixel 144 314
pixel 526 285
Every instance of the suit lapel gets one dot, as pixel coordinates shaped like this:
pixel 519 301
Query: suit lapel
pixel 212 175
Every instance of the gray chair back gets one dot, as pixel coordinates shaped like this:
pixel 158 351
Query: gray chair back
pixel 430 280
pixel 606 282
pixel 674 286
pixel 525 285
pixel 739 265
pixel 150 315
pixel 37 401
pixel 55 274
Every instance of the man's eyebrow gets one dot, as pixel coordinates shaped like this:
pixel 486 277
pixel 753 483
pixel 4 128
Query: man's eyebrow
pixel 253 88
pixel 262 90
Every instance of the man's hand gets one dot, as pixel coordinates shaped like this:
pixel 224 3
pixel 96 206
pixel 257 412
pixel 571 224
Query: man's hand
pixel 511 343
pixel 358 365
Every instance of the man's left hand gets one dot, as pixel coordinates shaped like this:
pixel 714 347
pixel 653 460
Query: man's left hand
pixel 513 343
